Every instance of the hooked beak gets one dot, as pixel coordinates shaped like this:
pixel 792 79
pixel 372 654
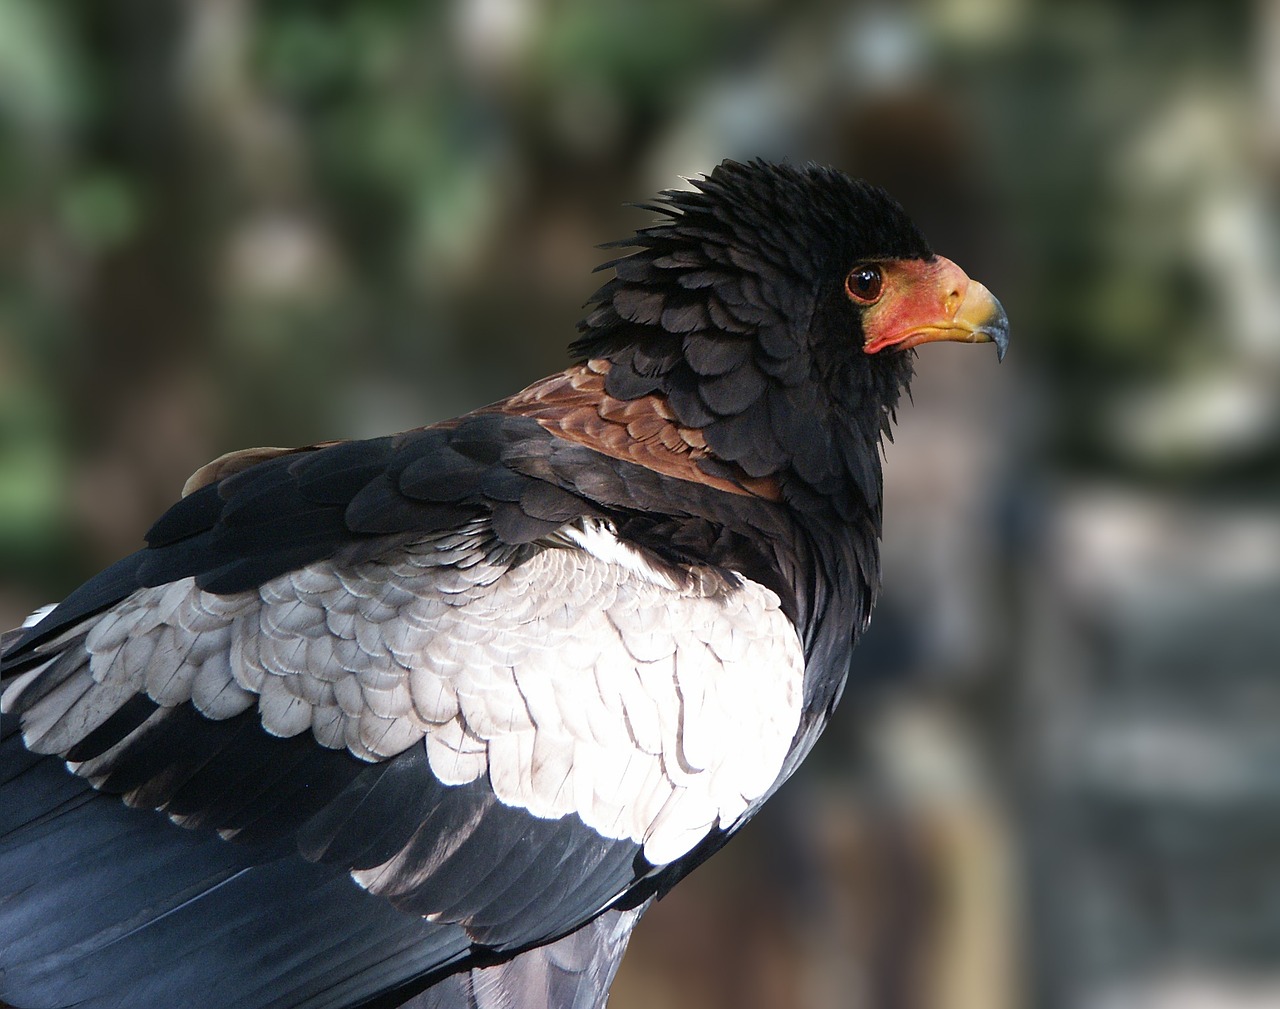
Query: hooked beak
pixel 928 302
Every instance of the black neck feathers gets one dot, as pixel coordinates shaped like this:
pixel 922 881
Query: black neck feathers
pixel 733 310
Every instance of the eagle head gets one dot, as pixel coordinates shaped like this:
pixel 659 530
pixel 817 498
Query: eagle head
pixel 774 308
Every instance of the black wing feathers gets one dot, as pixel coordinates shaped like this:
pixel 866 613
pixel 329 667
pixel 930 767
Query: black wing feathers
pixel 126 718
pixel 258 922
pixel 336 474
pixel 105 589
pixel 454 836
pixel 117 884
pixel 302 507
pixel 197 512
pixel 346 832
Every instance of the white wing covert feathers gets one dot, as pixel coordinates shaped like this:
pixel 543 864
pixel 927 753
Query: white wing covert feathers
pixel 654 703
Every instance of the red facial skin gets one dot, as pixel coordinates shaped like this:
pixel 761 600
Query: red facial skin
pixel 924 301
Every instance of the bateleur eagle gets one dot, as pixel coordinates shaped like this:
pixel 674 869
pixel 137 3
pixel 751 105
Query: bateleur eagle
pixel 432 718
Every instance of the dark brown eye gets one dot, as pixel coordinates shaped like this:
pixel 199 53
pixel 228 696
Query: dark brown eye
pixel 864 284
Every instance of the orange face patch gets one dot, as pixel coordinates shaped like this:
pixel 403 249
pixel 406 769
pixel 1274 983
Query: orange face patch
pixel 924 301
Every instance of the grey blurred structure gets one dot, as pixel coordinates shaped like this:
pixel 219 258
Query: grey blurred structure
pixel 1149 730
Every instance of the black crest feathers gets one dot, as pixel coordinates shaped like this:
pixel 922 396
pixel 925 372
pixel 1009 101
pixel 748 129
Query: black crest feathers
pixel 732 309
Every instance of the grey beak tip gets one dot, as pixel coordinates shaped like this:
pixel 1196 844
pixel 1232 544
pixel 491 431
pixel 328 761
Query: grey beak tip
pixel 998 330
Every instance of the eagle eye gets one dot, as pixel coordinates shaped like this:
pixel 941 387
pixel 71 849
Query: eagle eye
pixel 864 284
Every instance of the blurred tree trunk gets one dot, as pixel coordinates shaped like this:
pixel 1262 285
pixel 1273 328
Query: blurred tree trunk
pixel 147 302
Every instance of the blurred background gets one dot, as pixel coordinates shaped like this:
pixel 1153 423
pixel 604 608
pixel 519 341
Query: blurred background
pixel 1054 782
